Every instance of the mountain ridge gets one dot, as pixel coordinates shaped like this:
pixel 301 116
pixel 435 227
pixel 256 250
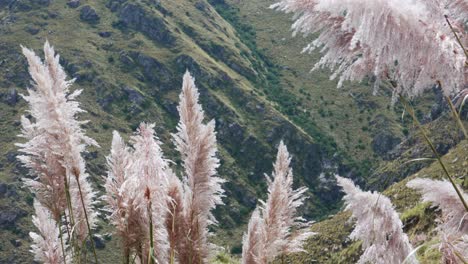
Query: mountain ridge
pixel 253 81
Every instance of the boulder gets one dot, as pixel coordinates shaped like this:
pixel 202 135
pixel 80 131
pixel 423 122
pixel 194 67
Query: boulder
pixel 89 15
pixel 200 6
pixel 105 34
pixel 99 242
pixel 384 142
pixel 133 95
pixel 32 29
pixel 9 216
pixel 135 17
pixel 73 3
pixel 3 189
pixel 11 156
pixel 11 97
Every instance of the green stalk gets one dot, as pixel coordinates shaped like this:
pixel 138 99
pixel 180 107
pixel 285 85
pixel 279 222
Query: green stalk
pixel 172 255
pixel 150 216
pixel 87 220
pixel 457 37
pixel 150 260
pixel 456 116
pixel 460 257
pixel 76 249
pixel 454 111
pixel 61 242
pixel 126 257
pixel 410 110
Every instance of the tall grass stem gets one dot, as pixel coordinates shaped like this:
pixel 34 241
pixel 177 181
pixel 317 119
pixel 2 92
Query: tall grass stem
pixel 410 110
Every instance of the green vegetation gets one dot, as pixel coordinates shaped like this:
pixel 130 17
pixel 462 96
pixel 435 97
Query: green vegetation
pixel 256 84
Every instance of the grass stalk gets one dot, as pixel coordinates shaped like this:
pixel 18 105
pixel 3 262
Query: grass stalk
pixel 61 243
pixel 455 114
pixel 90 234
pixel 454 111
pixel 410 110
pixel 76 248
pixel 172 252
pixel 457 37
pixel 150 216
pixel 126 256
pixel 456 117
pixel 150 260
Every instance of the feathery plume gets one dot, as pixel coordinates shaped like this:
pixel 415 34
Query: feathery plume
pixel 148 184
pixel 56 141
pixel 377 226
pixel 46 246
pixel 442 194
pixel 175 222
pixel 280 209
pixel 120 200
pixel 196 142
pixel 454 248
pixel 454 223
pixel 389 39
pixel 253 239
pixel 279 216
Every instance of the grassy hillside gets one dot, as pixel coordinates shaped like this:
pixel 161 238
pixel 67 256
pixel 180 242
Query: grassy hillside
pixel 364 126
pixel 129 57
pixel 331 245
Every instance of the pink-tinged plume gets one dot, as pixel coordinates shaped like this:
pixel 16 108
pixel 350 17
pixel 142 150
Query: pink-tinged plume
pixel 46 246
pixel 280 230
pixel 252 242
pixel 56 141
pixel 443 195
pixel 408 42
pixel 148 186
pixel 453 228
pixel 377 226
pixel 120 198
pixel 196 143
pixel 175 221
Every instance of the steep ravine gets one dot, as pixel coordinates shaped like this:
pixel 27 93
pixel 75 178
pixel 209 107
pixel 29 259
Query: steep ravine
pixel 129 57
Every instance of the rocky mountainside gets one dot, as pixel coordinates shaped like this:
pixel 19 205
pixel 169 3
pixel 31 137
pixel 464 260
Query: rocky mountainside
pixel 129 57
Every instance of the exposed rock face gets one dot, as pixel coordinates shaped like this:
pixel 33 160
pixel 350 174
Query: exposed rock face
pixel 200 5
pixel 3 189
pixel 105 34
pixel 32 29
pixel 23 5
pixel 136 99
pixel 133 95
pixel 135 17
pixel 185 62
pixel 41 2
pixel 153 71
pixel 11 97
pixel 99 242
pixel 9 216
pixel 88 14
pixel 73 3
pixel 384 142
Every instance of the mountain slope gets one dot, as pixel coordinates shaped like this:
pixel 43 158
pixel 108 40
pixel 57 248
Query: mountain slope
pixel 364 126
pixel 129 57
pixel 332 245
